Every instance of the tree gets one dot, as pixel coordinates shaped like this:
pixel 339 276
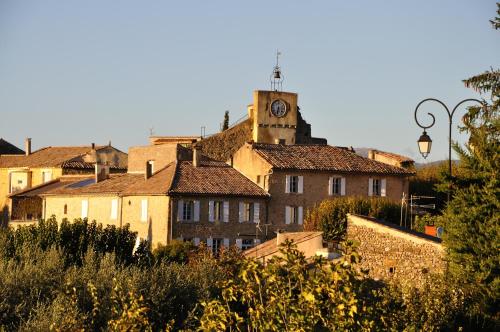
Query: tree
pixel 225 124
pixel 472 217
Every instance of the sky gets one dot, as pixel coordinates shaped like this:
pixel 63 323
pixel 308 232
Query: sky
pixel 77 72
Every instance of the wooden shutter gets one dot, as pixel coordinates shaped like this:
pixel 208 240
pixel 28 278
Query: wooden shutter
pixel 382 189
pixel 144 210
pixel 256 212
pixel 180 209
pixel 196 210
pixel 211 211
pixel 287 184
pixel 301 215
pixel 114 209
pixel 256 241
pixel 370 187
pixel 226 243
pixel 209 243
pixel 342 186
pixel 241 211
pixel 330 186
pixel 287 215
pixel 301 185
pixel 85 208
pixel 239 243
pixel 196 241
pixel 226 211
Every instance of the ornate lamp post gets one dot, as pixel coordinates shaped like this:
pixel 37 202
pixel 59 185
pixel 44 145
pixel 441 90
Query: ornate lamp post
pixel 425 142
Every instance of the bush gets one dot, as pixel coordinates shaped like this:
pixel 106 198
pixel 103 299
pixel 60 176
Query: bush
pixel 330 216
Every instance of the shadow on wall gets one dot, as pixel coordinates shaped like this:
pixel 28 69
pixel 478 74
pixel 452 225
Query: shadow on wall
pixel 4 216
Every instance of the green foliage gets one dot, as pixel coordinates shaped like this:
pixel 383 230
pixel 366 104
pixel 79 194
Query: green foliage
pixel 472 230
pixel 427 219
pixel 290 293
pixel 175 252
pixel 330 216
pixel 225 124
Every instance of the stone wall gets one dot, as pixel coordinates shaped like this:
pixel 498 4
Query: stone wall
pixel 392 253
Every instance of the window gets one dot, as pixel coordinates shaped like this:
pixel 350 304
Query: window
pixel 246 244
pixel 247 212
pixel 336 185
pixel 216 245
pixel 258 179
pixel 187 210
pixel 294 184
pixel 46 176
pixel 218 210
pixel 294 215
pixel 377 187
pixel 65 209
pixel 144 210
pixel 114 209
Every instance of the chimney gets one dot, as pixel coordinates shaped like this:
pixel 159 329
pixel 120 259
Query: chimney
pixel 149 169
pixel 93 146
pixel 371 154
pixel 101 171
pixel 27 146
pixel 280 237
pixel 197 156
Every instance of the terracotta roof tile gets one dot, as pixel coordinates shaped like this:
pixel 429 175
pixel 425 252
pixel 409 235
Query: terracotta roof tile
pixel 213 178
pixel 52 156
pixel 158 183
pixel 397 157
pixel 321 158
pixel 116 184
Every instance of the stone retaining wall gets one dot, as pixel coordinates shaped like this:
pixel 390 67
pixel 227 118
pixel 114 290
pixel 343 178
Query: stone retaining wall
pixel 390 252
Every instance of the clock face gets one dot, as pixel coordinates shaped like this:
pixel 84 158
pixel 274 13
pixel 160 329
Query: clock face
pixel 278 108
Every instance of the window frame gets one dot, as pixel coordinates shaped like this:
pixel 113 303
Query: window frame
pixel 190 205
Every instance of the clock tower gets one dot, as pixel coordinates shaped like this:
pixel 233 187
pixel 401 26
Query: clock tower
pixel 274 112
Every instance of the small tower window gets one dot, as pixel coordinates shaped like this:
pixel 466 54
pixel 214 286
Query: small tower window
pixel 65 208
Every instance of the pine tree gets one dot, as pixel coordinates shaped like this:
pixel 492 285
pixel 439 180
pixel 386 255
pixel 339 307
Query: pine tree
pixel 225 124
pixel 473 216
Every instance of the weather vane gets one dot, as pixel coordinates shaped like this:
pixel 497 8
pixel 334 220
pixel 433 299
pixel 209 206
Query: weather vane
pixel 276 76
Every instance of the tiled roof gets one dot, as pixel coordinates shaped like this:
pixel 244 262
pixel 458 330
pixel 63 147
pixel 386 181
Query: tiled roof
pixel 213 178
pixel 271 247
pixel 49 186
pixel 321 158
pixel 8 148
pixel 177 178
pixel 116 184
pixel 52 156
pixel 394 156
pixel 158 184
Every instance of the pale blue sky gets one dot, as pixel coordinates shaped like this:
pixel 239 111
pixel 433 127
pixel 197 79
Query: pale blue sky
pixel 76 72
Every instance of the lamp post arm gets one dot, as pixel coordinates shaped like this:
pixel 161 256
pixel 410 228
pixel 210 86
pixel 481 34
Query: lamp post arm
pixel 431 115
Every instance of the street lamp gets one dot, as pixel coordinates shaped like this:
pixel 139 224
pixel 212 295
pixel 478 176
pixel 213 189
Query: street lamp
pixel 425 142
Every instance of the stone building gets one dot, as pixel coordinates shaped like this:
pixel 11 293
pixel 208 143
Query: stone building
pixel 197 200
pixel 31 169
pixel 297 177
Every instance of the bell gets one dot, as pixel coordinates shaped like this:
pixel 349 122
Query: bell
pixel 277 74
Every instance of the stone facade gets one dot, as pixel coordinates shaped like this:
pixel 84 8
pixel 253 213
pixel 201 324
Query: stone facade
pixel 395 254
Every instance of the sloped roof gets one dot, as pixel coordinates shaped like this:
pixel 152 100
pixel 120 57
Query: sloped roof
pixel 321 158
pixel 213 178
pixel 271 247
pixel 177 178
pixel 222 146
pixel 52 156
pixel 394 156
pixel 46 187
pixel 8 148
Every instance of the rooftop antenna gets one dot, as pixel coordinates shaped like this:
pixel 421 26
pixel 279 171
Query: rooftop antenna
pixel 276 76
pixel 151 131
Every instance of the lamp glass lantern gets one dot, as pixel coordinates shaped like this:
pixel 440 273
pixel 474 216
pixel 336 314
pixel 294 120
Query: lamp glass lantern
pixel 424 144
